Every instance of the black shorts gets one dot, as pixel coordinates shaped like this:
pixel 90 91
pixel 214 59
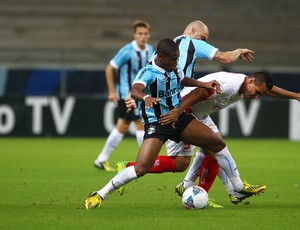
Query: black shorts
pixel 128 116
pixel 165 132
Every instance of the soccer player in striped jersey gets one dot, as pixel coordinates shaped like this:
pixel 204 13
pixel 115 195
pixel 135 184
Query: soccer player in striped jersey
pixel 124 66
pixel 157 90
pixel 193 45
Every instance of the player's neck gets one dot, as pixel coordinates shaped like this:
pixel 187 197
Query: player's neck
pixel 242 88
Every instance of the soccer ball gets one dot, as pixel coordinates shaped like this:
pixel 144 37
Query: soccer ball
pixel 195 197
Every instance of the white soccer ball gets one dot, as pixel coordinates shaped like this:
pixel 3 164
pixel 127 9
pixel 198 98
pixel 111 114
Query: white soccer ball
pixel 195 197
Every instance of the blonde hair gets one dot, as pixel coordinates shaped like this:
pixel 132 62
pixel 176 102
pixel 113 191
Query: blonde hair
pixel 140 23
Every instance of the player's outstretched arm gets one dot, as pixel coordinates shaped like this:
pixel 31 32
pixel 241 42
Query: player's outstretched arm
pixel 282 93
pixel 231 56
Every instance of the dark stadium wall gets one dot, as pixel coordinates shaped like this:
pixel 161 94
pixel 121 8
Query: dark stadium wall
pixel 94 117
pixel 50 82
pixel 42 102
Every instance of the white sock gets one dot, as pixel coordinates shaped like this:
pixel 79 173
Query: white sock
pixel 193 171
pixel 139 136
pixel 226 181
pixel 114 138
pixel 123 177
pixel 227 163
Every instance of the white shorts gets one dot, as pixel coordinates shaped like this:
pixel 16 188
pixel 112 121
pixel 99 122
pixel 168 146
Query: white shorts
pixel 185 149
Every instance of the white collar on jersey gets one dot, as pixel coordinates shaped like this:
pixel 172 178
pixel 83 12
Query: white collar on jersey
pixel 156 66
pixel 180 36
pixel 137 48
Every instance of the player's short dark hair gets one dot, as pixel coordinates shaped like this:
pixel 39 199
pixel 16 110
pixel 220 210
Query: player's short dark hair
pixel 263 76
pixel 140 23
pixel 166 46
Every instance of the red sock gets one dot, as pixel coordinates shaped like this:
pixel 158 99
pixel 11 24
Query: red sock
pixel 208 172
pixel 161 164
pixel 130 164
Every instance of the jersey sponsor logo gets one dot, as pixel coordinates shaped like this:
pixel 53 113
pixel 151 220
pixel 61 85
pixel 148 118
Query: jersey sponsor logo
pixel 168 93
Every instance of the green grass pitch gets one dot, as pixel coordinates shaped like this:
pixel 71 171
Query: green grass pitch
pixel 44 181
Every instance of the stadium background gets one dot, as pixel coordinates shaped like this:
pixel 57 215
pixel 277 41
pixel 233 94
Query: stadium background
pixel 53 54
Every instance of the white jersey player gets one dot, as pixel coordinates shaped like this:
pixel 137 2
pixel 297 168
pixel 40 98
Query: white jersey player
pixel 230 84
pixel 234 86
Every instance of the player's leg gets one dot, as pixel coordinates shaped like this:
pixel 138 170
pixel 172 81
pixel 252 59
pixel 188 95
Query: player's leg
pixel 210 168
pixel 197 162
pixel 177 160
pixel 115 137
pixel 234 197
pixel 113 140
pixel 201 135
pixel 162 164
pixel 139 131
pixel 192 174
pixel 230 190
pixel 144 161
pixel 208 172
pixel 203 166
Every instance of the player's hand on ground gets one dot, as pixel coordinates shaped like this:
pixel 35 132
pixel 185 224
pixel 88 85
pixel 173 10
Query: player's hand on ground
pixel 130 103
pixel 151 101
pixel 246 55
pixel 170 117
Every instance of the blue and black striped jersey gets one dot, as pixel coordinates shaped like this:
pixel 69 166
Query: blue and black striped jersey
pixel 128 61
pixel 190 50
pixel 160 84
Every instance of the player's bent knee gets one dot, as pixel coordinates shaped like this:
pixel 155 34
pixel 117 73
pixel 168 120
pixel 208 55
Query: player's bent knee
pixel 218 146
pixel 182 164
pixel 141 171
pixel 182 168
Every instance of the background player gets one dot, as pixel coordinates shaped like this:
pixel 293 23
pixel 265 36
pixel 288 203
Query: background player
pixel 126 64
